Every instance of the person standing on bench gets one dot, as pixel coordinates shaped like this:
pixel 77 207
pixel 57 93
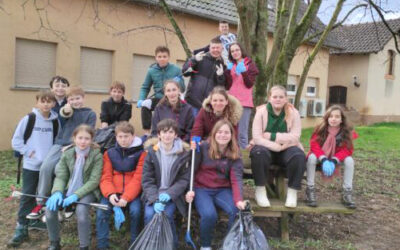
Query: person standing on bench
pixel 330 145
pixel 276 136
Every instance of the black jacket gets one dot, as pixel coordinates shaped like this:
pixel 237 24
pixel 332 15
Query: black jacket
pixel 203 78
pixel 114 112
pixel 151 176
pixel 184 118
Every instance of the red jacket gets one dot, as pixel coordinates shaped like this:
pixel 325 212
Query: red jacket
pixel 128 184
pixel 341 152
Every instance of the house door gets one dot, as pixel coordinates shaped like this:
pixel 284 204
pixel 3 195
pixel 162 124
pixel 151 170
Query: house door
pixel 337 95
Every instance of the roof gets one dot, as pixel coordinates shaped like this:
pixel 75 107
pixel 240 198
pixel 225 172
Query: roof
pixel 226 10
pixel 364 37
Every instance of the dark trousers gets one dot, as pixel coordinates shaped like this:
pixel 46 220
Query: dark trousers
pixel 292 160
pixel 147 113
pixel 30 181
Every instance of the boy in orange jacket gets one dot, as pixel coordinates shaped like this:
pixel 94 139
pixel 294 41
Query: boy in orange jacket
pixel 120 183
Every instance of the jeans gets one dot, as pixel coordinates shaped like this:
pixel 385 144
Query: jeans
pixel 30 181
pixel 169 211
pixel 103 218
pixel 206 200
pixel 244 127
pixel 291 159
pixel 348 164
pixel 147 113
pixel 47 171
pixel 82 216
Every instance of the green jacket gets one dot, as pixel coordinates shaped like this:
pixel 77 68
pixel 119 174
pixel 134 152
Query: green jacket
pixel 91 173
pixel 156 76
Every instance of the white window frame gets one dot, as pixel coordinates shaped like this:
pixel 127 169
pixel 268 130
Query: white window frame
pixel 290 82
pixel 311 84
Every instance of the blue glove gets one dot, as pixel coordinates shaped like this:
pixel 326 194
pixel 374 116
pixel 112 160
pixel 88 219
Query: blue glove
pixel 158 207
pixel 119 217
pixel 177 78
pixel 139 103
pixel 70 199
pixel 328 167
pixel 54 201
pixel 240 68
pixel 229 65
pixel 197 140
pixel 164 197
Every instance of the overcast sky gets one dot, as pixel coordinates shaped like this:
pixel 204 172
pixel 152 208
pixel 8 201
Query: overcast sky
pixel 360 15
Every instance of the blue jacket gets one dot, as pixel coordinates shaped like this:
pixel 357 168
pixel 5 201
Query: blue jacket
pixel 57 108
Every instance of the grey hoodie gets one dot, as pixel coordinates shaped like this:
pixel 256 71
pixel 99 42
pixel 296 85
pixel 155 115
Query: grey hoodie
pixel 39 142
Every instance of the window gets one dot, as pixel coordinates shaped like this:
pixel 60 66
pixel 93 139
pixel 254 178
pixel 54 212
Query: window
pixel 96 69
pixel 140 67
pixel 311 84
pixel 35 63
pixel 291 86
pixel 391 57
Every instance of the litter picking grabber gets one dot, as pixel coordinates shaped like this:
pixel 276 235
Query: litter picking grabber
pixel 96 205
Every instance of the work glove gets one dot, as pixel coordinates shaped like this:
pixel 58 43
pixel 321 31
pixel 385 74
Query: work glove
pixel 328 167
pixel 199 56
pixel 229 65
pixel 164 197
pixel 240 68
pixel 139 103
pixel 54 201
pixel 70 199
pixel 147 103
pixel 158 207
pixel 119 217
pixel 220 70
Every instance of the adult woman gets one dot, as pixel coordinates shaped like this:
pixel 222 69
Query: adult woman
pixel 218 180
pixel 171 106
pixel 218 105
pixel 276 135
pixel 240 77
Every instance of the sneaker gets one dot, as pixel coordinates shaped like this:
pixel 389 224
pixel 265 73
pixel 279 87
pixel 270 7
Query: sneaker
pixel 54 245
pixel 311 199
pixel 291 198
pixel 261 197
pixel 37 225
pixel 69 212
pixel 36 213
pixel 20 235
pixel 347 199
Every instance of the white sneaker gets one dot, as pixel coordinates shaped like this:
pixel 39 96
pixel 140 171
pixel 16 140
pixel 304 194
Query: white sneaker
pixel 291 198
pixel 261 197
pixel 205 248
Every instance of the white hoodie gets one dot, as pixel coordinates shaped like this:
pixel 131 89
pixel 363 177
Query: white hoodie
pixel 39 142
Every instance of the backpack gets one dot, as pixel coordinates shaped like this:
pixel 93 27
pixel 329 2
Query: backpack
pixel 27 134
pixel 105 137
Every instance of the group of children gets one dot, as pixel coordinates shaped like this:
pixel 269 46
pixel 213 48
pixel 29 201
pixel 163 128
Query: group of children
pixel 63 166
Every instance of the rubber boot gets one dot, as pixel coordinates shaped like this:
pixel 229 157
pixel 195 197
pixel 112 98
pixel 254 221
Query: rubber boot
pixel 311 199
pixel 261 197
pixel 347 199
pixel 291 198
pixel 54 245
pixel 20 235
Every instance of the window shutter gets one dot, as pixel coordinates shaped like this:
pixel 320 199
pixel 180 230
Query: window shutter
pixel 140 67
pixel 96 69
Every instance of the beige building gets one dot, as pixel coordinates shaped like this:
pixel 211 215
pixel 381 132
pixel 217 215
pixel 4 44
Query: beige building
pixel 93 43
pixel 365 75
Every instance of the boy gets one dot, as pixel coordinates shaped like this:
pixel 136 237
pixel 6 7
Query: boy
pixel 58 86
pixel 120 183
pixel 75 114
pixel 34 150
pixel 206 70
pixel 166 174
pixel 116 108
pixel 156 75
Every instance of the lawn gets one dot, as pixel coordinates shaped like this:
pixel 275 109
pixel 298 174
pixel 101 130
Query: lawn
pixel 374 225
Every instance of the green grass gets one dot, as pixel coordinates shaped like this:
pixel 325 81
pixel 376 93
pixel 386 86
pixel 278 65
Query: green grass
pixel 8 175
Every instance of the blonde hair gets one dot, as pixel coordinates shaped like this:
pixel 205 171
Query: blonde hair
pixel 232 150
pixel 75 90
pixel 287 106
pixel 88 129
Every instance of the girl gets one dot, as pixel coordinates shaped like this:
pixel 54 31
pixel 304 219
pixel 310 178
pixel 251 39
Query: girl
pixel 165 174
pixel 171 106
pixel 332 144
pixel 218 180
pixel 218 105
pixel 276 135
pixel 240 78
pixel 77 176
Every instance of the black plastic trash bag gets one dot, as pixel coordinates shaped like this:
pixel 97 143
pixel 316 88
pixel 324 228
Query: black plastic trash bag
pixel 105 137
pixel 245 235
pixel 157 235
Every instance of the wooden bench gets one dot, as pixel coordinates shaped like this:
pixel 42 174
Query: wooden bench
pixel 277 195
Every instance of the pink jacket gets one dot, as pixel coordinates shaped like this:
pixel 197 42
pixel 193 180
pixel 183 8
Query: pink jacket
pixel 293 123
